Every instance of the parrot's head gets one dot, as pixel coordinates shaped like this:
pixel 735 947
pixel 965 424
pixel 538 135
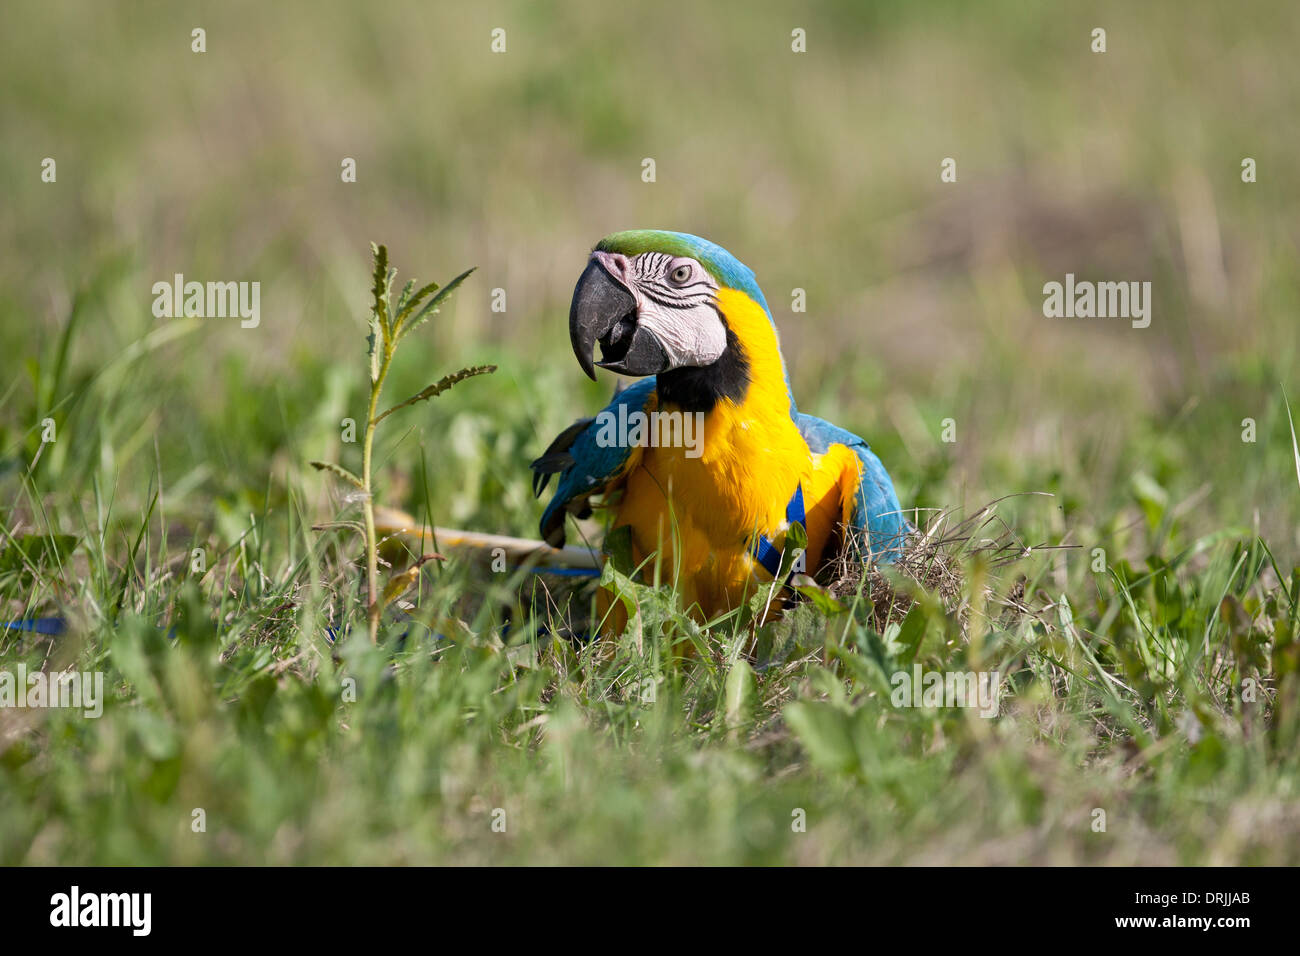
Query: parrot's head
pixel 668 304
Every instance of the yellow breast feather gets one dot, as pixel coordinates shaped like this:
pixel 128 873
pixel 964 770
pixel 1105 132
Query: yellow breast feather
pixel 700 514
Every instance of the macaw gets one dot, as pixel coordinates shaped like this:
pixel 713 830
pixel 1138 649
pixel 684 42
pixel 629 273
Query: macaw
pixel 687 317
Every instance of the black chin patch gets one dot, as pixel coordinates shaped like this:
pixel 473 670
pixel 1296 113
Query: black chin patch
pixel 698 388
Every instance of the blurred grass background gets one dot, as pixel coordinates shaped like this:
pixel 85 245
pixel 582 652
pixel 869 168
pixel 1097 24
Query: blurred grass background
pixel 819 170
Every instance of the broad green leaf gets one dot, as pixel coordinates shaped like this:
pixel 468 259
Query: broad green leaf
pixel 32 551
pixel 819 597
pixel 825 733
pixel 624 590
pixel 618 548
pixel 910 634
pixel 741 693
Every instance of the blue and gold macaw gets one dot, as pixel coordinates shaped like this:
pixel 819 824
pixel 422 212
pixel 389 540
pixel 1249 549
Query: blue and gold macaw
pixel 689 317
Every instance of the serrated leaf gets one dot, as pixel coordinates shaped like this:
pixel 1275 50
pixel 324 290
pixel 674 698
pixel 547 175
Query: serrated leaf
pixel 437 388
pixel 379 290
pixel 401 299
pixel 408 305
pixel 372 343
pixel 624 590
pixel 340 471
pixel 431 306
pixel 356 526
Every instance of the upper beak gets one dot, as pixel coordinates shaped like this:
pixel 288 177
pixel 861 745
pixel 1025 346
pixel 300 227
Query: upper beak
pixel 604 311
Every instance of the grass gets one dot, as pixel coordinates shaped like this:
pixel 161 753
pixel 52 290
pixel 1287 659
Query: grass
pixel 170 521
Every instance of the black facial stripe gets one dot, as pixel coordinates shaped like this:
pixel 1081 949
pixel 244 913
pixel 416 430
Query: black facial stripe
pixel 651 275
pixel 686 289
pixel 651 263
pixel 658 295
pixel 697 388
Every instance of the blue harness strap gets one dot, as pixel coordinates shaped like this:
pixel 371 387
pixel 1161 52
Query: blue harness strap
pixel 765 552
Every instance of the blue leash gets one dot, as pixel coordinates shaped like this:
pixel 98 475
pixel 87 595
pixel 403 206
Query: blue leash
pixel 36 625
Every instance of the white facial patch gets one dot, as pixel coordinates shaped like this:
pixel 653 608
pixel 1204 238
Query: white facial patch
pixel 689 336
pixel 675 301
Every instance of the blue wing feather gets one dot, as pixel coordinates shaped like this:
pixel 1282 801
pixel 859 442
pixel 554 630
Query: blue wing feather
pixel 876 514
pixel 594 466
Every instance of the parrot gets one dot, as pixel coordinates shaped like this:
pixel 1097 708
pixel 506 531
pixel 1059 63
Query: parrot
pixel 687 319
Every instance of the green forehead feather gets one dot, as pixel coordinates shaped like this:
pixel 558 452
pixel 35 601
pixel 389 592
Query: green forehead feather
pixel 730 272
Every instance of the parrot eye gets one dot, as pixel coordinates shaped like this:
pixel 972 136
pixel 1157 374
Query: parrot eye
pixel 681 275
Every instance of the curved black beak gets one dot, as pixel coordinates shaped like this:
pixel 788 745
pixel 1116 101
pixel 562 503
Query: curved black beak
pixel 604 311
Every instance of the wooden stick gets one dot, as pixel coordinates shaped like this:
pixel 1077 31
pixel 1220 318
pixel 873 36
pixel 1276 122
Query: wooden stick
pixel 391 521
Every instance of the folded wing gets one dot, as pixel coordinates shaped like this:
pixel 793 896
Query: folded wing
pixel 876 516
pixel 585 466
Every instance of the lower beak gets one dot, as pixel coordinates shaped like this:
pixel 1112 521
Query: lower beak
pixel 604 311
